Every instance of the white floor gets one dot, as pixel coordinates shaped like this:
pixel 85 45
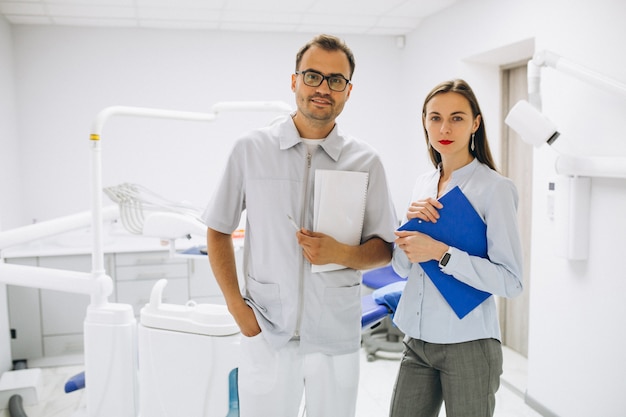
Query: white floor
pixel 377 379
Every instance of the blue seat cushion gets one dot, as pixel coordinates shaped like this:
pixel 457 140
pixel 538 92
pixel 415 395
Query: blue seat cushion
pixel 377 278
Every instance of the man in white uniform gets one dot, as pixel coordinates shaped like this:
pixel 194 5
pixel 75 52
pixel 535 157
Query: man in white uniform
pixel 301 329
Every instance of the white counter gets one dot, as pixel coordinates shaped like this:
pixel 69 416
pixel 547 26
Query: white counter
pixel 115 240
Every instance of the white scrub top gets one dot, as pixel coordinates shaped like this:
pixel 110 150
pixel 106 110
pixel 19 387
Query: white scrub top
pixel 270 174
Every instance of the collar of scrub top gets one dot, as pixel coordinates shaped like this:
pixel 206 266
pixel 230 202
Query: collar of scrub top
pixel 464 171
pixel 333 144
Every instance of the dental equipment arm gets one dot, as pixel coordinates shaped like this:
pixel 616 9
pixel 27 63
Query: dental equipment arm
pixel 54 279
pixel 535 128
pixel 96 158
pixel 44 229
pixel 36 277
pixel 550 59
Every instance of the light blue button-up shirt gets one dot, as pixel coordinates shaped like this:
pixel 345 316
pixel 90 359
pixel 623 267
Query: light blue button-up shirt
pixel 270 174
pixel 422 312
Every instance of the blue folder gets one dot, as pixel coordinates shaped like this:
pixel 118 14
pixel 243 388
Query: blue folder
pixel 461 227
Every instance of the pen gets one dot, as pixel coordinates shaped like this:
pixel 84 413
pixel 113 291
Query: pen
pixel 293 222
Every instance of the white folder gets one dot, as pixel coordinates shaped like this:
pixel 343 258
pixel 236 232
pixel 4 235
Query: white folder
pixel 339 208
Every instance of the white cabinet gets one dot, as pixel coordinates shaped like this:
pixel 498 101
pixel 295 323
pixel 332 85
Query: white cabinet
pixel 47 322
pixel 203 287
pixel 63 313
pixel 24 317
pixel 136 273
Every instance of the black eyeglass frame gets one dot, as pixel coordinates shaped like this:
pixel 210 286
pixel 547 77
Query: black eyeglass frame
pixel 324 78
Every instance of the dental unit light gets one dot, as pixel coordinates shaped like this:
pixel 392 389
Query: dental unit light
pixel 526 118
pixel 572 189
pixel 534 128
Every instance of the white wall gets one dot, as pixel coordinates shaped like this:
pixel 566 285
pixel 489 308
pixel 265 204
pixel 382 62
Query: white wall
pixel 577 317
pixel 65 76
pixel 10 201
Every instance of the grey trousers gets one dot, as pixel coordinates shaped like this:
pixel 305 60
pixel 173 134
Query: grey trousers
pixel 464 376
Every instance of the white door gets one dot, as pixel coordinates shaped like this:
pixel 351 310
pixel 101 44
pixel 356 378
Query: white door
pixel 517 164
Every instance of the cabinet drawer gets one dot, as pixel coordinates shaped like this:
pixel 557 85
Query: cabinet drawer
pixel 202 282
pixel 216 299
pixel 151 272
pixel 137 293
pixel 62 312
pixel 146 258
pixel 71 344
pixel 25 320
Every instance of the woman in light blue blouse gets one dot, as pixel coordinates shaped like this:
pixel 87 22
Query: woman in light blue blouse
pixel 447 359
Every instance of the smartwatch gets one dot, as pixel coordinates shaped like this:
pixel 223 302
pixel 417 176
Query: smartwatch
pixel 445 259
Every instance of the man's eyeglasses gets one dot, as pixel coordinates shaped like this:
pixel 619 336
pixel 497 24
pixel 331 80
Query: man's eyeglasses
pixel 314 79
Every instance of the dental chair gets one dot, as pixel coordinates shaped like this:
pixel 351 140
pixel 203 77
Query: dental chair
pixel 382 288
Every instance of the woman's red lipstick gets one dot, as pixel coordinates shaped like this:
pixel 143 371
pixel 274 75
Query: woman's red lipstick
pixel 445 142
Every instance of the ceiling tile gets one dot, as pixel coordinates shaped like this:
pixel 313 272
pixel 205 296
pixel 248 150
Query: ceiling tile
pixel 200 4
pixel 96 22
pixel 179 24
pixel 277 6
pixel 64 10
pixel 389 17
pixel 420 8
pixel 29 20
pixel 347 7
pixel 261 17
pixel 28 9
pixel 398 22
pixel 354 20
pixel 89 3
pixel 179 13
pixel 390 31
pixel 258 27
pixel 20 1
pixel 332 29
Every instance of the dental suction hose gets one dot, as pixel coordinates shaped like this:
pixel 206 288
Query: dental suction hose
pixel 15 406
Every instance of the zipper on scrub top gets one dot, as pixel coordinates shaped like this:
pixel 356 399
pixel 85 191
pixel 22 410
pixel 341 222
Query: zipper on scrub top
pixel 305 194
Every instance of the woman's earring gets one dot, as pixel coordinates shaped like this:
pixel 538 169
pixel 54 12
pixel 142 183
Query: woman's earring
pixel 472 144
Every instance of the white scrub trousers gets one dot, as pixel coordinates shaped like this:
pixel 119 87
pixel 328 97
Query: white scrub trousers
pixel 271 382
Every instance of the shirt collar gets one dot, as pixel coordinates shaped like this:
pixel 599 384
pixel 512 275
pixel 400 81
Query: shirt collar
pixel 463 172
pixel 289 137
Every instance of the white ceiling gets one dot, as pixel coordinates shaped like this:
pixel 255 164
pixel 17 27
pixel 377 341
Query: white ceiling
pixel 377 17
